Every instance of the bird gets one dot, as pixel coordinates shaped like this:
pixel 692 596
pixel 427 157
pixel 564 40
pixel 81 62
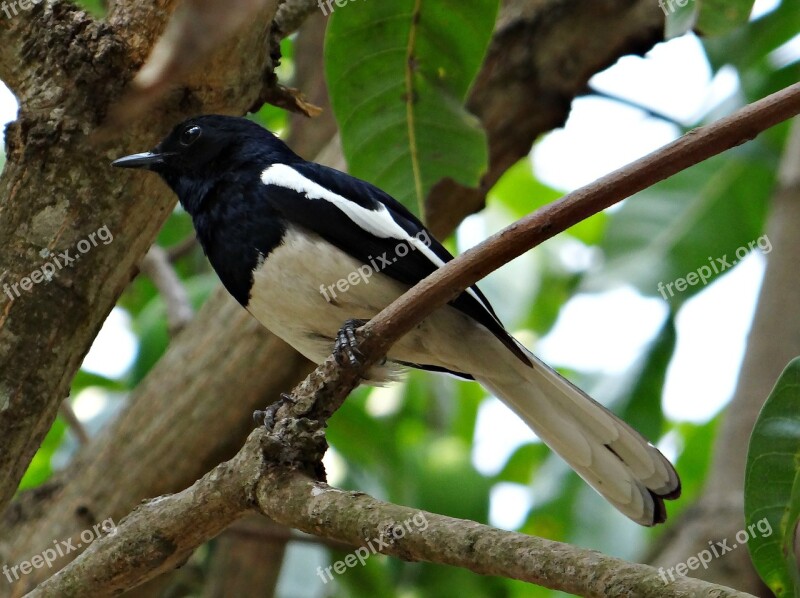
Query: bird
pixel 311 252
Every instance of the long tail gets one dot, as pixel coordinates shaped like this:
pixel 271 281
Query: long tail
pixel 611 456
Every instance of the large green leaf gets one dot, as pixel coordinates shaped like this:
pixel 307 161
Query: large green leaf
pixel 398 74
pixel 772 479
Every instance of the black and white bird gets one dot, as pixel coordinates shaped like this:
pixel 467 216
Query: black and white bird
pixel 283 234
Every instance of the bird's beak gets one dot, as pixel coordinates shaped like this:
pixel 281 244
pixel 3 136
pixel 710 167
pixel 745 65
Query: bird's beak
pixel 143 160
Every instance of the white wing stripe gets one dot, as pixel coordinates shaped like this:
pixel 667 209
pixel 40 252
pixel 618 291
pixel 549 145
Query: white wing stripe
pixel 376 222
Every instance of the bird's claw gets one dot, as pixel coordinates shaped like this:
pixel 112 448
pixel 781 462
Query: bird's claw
pixel 346 346
pixel 266 417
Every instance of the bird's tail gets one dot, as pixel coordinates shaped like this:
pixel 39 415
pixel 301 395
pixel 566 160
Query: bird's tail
pixel 611 456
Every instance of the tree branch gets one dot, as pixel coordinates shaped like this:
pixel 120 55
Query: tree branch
pixel 129 556
pixel 156 265
pixel 694 147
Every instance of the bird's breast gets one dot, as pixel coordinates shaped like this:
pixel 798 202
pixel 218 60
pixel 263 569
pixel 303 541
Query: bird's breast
pixel 306 288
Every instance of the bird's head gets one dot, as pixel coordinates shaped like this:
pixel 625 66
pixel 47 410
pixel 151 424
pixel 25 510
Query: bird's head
pixel 201 150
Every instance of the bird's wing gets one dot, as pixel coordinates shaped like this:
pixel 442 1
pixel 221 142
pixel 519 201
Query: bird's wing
pixel 372 227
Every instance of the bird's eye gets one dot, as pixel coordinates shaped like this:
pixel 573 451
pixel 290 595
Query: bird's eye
pixel 190 135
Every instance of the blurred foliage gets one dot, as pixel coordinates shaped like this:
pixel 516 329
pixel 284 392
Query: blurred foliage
pixel 414 443
pixel 705 17
pixel 96 7
pixel 718 17
pixel 41 467
pixel 670 230
pixel 772 486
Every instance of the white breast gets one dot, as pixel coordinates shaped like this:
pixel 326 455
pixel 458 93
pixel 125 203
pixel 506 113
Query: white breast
pixel 287 297
pixel 297 294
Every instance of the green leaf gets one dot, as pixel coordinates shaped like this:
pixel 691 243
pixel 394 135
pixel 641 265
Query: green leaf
pixel 748 47
pixel 684 224
pixel 717 17
pixel 84 379
pixel 398 74
pixel 151 324
pixel 523 463
pixel 643 403
pixel 556 287
pixel 41 468
pixel 697 442
pixel 95 7
pixel 772 484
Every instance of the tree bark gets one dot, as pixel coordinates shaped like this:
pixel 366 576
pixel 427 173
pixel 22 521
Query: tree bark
pixel 57 190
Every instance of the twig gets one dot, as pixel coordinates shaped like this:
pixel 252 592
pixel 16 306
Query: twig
pixel 73 422
pixel 156 265
pixel 651 112
pixel 293 13
pixel 265 472
pixel 181 248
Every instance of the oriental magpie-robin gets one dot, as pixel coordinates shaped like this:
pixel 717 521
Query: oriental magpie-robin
pixel 283 234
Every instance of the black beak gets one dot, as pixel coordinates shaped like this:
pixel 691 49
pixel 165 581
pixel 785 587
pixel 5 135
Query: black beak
pixel 143 160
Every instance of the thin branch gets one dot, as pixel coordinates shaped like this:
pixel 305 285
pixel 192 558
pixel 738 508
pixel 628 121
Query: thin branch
pixel 73 422
pixel 165 536
pixel 182 248
pixel 268 471
pixel 692 148
pixel 650 112
pixel 293 13
pixel 518 95
pixel 414 535
pixel 156 265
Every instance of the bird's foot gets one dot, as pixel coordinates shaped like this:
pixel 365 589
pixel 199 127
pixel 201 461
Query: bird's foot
pixel 346 345
pixel 266 418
